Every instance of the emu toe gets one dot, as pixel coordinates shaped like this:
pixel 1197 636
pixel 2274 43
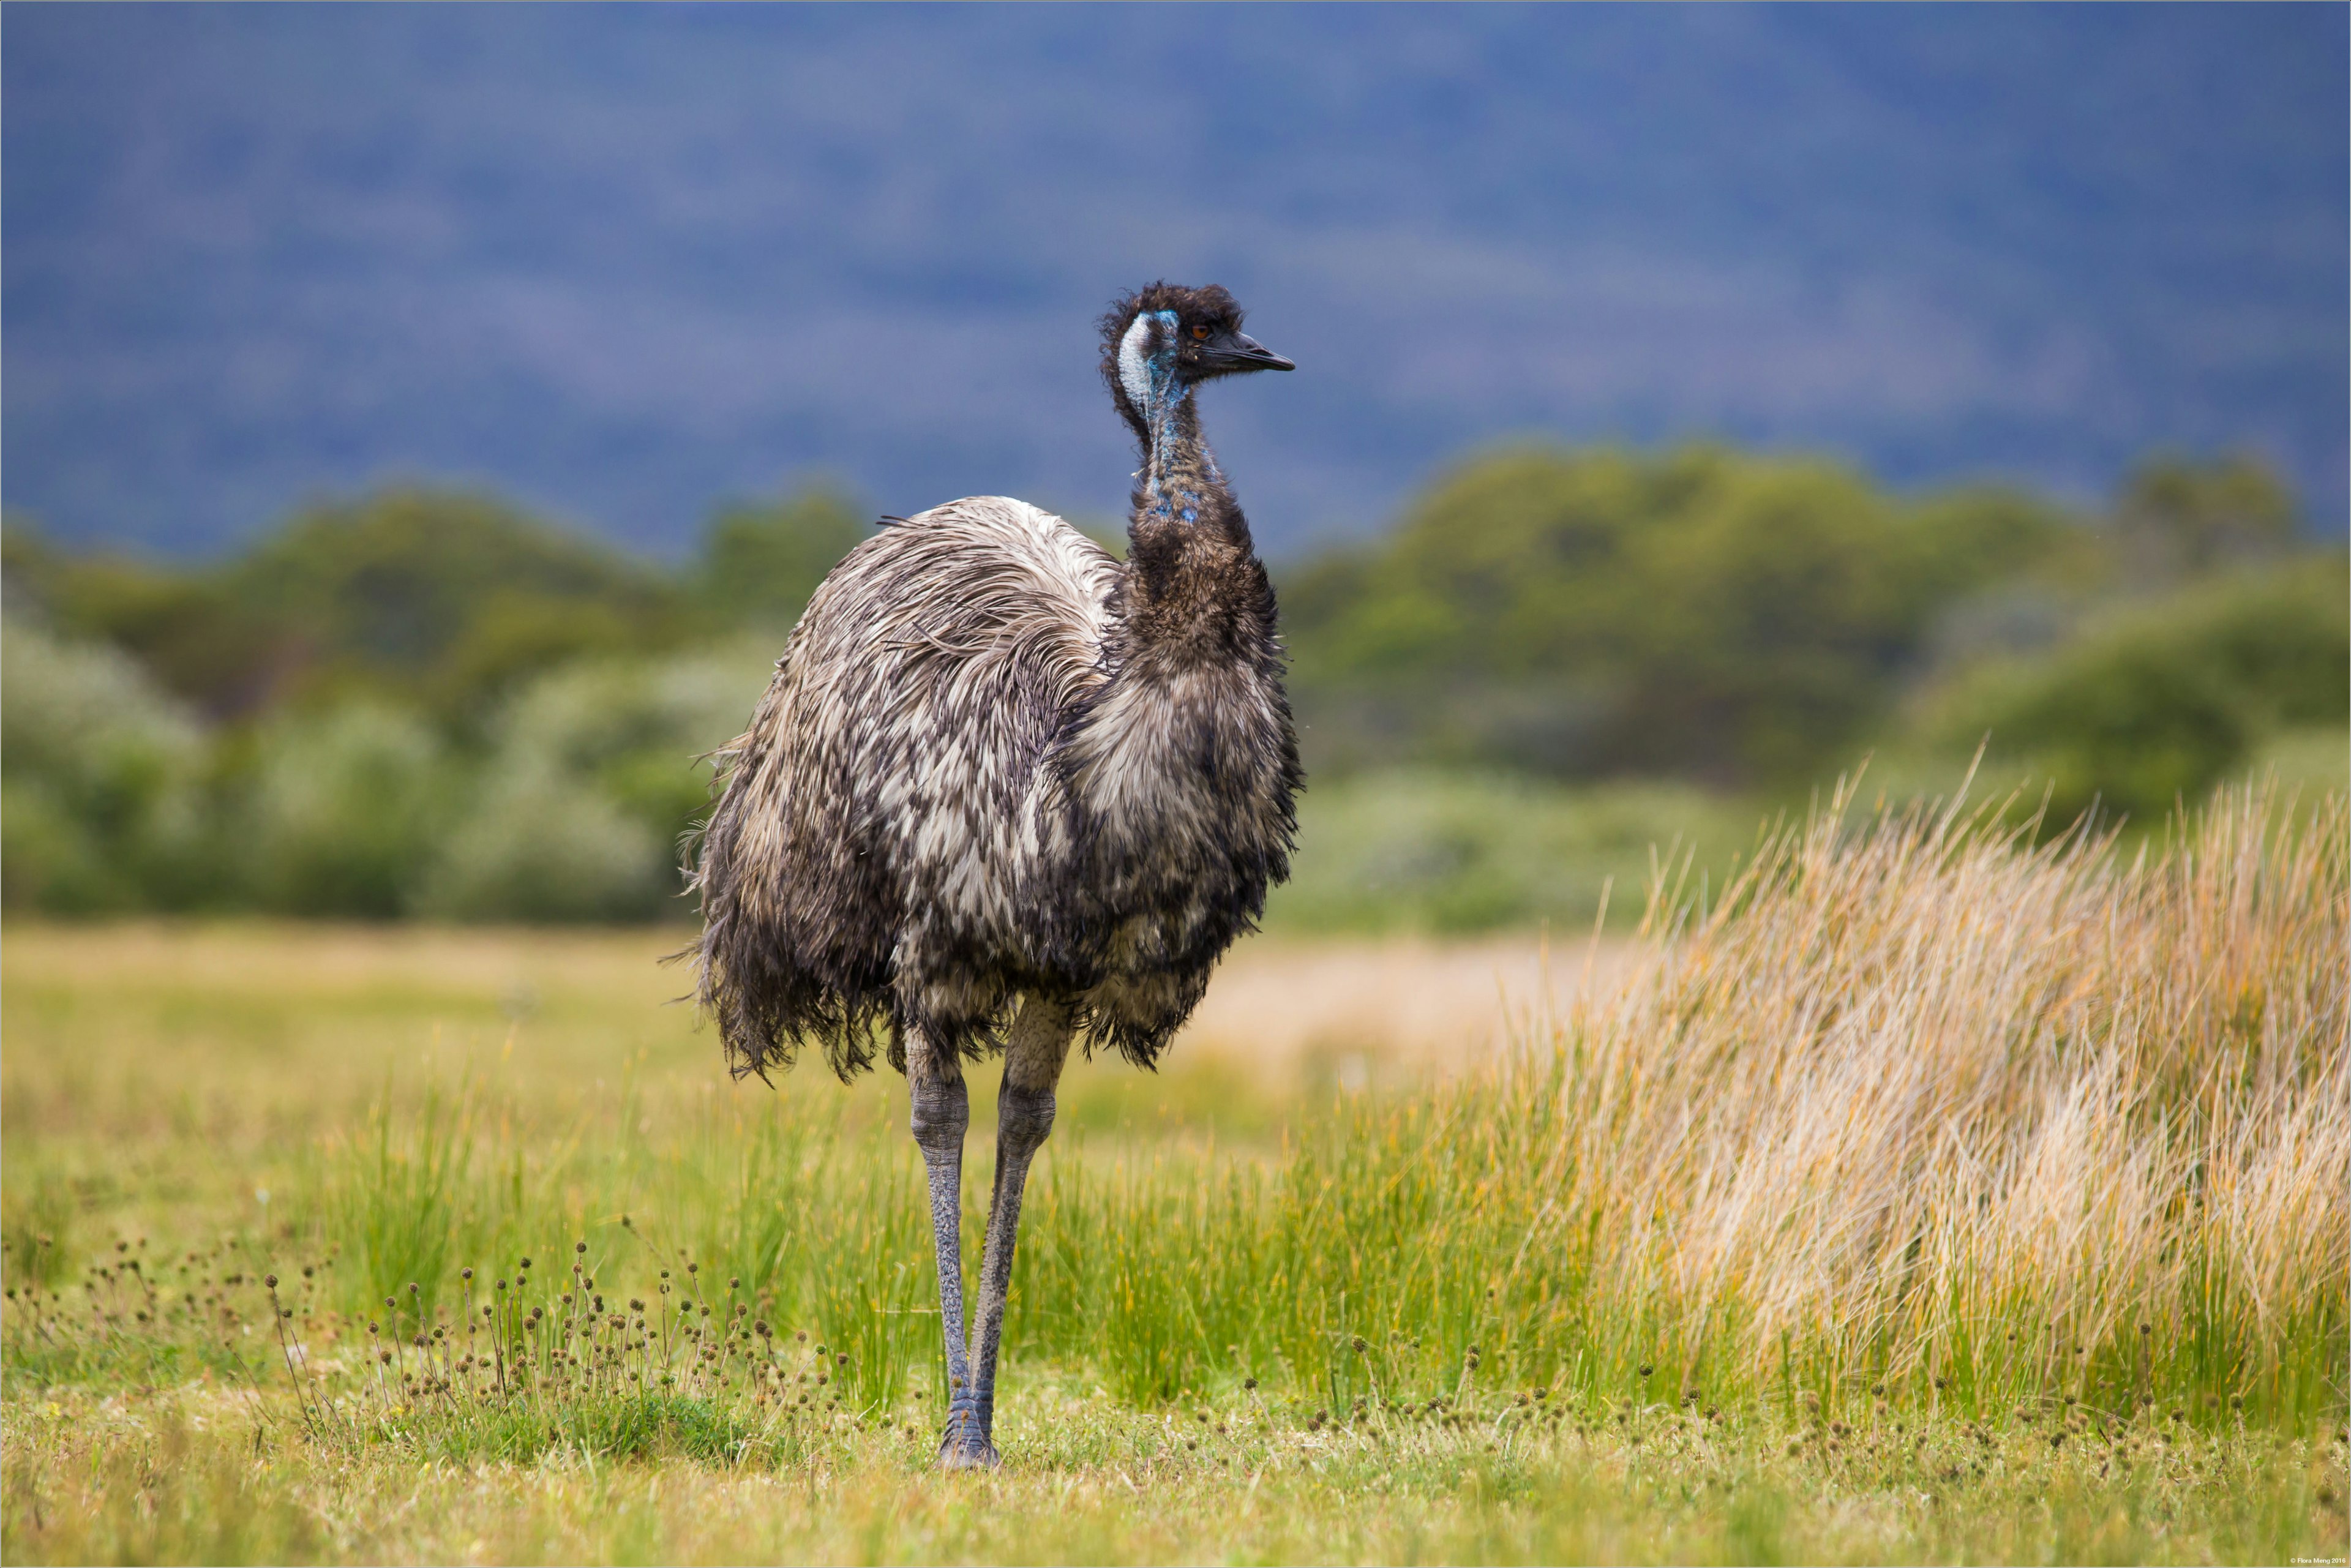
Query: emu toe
pixel 960 1453
pixel 964 1445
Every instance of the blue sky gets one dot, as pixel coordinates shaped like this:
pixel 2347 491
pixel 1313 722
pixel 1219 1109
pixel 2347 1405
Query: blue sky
pixel 621 263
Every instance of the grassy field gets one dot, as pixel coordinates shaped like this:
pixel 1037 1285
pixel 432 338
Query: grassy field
pixel 1918 1196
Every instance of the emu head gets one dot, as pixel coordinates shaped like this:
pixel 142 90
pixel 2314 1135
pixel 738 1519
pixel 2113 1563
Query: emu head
pixel 1161 341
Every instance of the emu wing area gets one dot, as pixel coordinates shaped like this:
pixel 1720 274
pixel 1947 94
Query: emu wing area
pixel 866 861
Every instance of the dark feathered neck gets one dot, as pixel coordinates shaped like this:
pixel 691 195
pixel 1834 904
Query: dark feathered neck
pixel 1194 583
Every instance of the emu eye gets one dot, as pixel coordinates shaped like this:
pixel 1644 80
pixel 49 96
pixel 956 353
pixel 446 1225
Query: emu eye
pixel 1200 334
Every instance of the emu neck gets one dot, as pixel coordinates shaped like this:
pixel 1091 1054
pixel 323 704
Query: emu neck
pixel 1194 584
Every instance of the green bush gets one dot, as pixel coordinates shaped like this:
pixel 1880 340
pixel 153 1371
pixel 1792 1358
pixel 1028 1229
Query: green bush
pixel 186 631
pixel 635 728
pixel 101 779
pixel 2159 702
pixel 446 598
pixel 761 563
pixel 2177 518
pixel 1699 613
pixel 593 778
pixel 1450 852
pixel 535 845
pixel 342 810
pixel 49 859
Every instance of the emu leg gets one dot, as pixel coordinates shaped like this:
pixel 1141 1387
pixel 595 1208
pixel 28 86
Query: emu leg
pixel 1024 1118
pixel 942 1110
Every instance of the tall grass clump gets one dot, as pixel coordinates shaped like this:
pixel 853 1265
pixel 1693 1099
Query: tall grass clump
pixel 1913 1100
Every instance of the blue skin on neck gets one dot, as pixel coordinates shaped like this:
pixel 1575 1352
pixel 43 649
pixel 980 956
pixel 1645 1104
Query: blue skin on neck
pixel 1162 364
pixel 1164 402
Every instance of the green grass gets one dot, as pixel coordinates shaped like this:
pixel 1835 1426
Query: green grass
pixel 1925 1196
pixel 205 1474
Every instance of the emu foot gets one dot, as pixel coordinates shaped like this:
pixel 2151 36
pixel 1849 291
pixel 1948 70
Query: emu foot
pixel 964 1445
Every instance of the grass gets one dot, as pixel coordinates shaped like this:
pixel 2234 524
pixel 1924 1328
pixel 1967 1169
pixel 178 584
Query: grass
pixel 1920 1196
pixel 194 1476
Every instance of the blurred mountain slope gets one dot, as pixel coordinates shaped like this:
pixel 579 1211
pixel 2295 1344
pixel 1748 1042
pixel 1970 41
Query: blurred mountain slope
pixel 621 262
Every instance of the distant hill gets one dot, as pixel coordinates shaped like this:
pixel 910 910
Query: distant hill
pixel 621 263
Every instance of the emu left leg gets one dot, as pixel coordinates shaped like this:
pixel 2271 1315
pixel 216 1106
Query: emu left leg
pixel 1024 1117
pixel 941 1112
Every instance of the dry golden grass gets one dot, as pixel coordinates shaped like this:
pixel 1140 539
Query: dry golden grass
pixel 1922 1097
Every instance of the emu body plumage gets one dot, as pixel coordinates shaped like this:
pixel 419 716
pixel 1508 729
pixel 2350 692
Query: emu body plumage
pixel 1006 791
pixel 971 780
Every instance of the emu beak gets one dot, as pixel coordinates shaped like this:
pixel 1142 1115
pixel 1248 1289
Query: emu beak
pixel 1242 352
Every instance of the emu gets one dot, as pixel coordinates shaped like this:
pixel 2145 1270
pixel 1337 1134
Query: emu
pixel 1006 791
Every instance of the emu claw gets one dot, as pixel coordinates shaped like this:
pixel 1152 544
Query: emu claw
pixel 964 1445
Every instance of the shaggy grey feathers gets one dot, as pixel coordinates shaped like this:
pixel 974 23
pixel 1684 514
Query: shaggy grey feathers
pixel 996 762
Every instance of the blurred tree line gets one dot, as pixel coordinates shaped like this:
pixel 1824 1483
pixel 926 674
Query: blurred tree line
pixel 1752 624
pixel 423 702
pixel 429 703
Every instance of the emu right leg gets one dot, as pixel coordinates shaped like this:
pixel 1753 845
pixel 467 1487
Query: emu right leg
pixel 942 1111
pixel 1033 1056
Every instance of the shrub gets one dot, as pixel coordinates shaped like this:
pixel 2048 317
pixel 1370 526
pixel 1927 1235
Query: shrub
pixel 342 809
pixel 761 563
pixel 2156 704
pixel 445 598
pixel 101 775
pixel 1448 852
pixel 535 845
pixel 1695 612
pixel 592 781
